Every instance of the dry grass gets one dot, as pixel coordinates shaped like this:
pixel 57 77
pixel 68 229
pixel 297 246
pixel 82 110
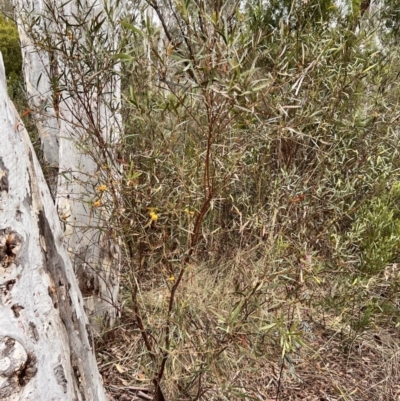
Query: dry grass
pixel 220 354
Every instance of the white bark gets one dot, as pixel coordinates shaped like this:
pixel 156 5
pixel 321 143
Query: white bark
pixel 45 352
pixel 85 123
pixel 38 74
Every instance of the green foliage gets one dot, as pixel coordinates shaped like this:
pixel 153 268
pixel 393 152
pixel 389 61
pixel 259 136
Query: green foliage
pixel 369 295
pixel 390 15
pixel 377 226
pixel 296 15
pixel 11 51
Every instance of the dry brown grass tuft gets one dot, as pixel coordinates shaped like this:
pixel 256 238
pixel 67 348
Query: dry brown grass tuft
pixel 219 352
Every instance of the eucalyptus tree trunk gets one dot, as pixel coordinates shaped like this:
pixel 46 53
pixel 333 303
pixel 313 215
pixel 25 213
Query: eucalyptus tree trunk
pixel 73 85
pixel 45 348
pixel 38 68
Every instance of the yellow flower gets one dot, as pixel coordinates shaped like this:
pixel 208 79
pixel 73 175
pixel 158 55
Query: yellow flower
pixel 188 211
pixel 102 188
pixel 97 203
pixel 153 216
pixel 172 278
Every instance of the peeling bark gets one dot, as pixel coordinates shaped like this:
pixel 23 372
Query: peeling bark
pixel 45 348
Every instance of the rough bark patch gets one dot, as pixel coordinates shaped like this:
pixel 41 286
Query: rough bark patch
pixel 60 377
pixel 17 309
pixel 10 245
pixel 17 366
pixel 3 177
pixel 34 333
